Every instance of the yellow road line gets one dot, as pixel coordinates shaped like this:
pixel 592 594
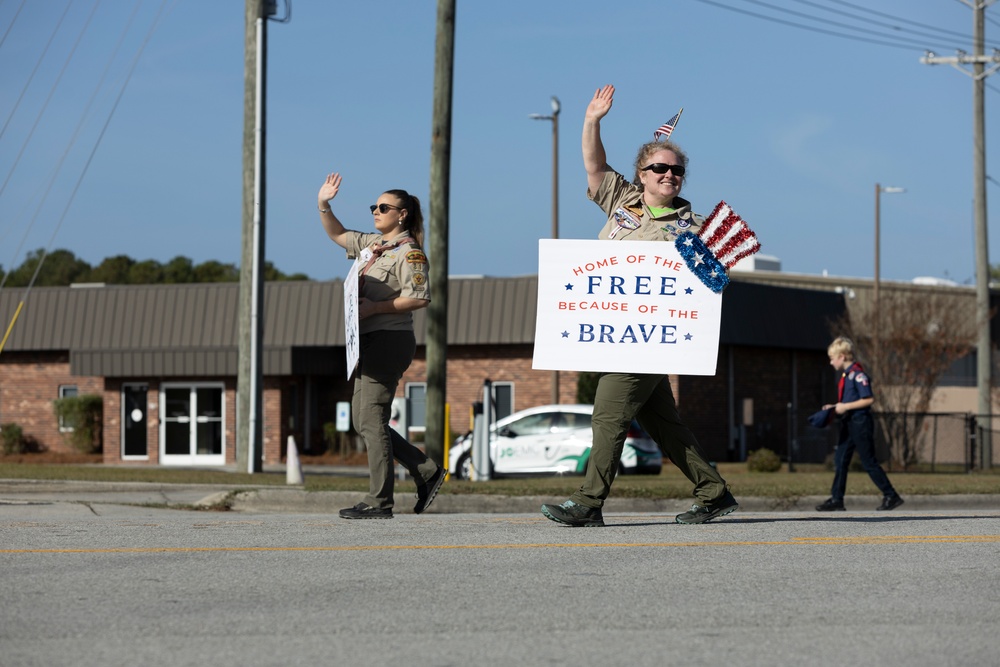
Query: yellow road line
pixel 798 541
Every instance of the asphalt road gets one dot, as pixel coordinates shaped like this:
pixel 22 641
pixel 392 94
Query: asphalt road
pixel 97 582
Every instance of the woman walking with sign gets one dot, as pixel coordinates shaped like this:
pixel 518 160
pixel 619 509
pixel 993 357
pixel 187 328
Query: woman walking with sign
pixel 392 283
pixel 649 209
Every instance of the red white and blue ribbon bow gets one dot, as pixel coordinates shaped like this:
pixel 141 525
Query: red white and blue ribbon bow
pixel 722 241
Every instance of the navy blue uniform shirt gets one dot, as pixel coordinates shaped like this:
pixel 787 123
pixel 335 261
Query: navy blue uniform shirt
pixel 854 385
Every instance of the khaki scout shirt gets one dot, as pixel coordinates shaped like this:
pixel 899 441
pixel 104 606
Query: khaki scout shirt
pixel 401 271
pixel 629 218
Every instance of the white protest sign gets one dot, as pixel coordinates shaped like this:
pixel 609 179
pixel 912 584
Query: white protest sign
pixel 623 306
pixel 352 338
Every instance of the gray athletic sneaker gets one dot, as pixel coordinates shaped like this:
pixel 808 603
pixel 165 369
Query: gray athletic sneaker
pixel 573 514
pixel 703 513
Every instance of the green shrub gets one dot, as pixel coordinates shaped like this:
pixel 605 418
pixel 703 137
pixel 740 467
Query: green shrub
pixel 763 460
pixel 84 415
pixel 337 442
pixel 12 439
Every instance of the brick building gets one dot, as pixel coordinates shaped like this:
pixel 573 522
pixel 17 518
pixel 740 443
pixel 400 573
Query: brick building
pixel 164 359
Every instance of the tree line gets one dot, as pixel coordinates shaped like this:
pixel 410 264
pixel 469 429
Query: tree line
pixel 62 268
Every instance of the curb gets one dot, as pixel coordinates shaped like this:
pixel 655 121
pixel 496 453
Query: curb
pixel 293 500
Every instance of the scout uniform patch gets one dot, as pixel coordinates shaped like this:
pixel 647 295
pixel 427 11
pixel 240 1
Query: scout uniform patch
pixel 625 218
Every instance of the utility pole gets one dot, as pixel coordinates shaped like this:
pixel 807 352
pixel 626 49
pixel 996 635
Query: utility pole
pixel 984 352
pixel 437 312
pixel 249 380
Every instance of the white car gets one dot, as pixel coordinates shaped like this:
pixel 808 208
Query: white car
pixel 551 439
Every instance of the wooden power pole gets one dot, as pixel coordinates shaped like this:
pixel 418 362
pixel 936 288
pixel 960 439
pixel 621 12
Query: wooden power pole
pixel 437 315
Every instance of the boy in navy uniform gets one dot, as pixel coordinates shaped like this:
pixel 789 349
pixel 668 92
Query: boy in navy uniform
pixel 857 429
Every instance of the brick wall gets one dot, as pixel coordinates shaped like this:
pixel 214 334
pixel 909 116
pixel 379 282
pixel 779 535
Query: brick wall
pixel 29 382
pixel 272 431
pixel 469 366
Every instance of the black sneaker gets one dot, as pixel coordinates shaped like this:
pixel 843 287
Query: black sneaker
pixel 362 511
pixel 573 514
pixel 702 513
pixel 427 491
pixel 890 503
pixel 830 505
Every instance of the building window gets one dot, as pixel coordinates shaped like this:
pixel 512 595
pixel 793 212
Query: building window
pixel 67 391
pixel 416 410
pixel 416 405
pixel 503 399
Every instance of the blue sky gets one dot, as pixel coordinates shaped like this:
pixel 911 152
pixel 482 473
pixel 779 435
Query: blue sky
pixel 793 128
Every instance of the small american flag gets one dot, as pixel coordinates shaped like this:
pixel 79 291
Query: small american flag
pixel 668 127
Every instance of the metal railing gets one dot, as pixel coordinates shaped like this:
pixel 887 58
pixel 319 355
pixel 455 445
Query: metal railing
pixel 926 442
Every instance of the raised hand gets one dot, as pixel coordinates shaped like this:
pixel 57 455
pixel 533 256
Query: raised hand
pixel 330 188
pixel 600 105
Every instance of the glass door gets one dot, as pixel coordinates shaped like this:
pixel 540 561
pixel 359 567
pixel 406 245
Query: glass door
pixel 191 424
pixel 134 422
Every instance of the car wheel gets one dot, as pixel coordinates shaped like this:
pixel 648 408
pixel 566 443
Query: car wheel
pixel 463 469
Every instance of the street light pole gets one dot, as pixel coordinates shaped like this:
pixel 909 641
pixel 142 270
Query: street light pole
pixel 876 324
pixel 555 199
pixel 250 334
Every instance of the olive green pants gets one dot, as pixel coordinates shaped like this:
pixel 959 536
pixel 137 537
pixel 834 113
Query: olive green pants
pixel 622 397
pixel 385 356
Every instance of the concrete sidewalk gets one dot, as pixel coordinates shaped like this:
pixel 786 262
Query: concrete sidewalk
pixel 294 499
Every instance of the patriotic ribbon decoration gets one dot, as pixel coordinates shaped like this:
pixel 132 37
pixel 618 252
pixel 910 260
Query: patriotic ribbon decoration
pixel 667 128
pixel 722 241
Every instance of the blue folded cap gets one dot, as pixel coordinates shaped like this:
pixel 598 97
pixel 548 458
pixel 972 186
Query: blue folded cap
pixel 822 418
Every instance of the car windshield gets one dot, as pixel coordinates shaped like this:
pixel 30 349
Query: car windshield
pixel 548 422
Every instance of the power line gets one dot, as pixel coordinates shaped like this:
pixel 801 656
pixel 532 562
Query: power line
pixel 48 99
pixel 960 35
pixel 44 190
pixel 914 42
pixel 35 70
pixel 97 143
pixel 12 22
pixel 898 42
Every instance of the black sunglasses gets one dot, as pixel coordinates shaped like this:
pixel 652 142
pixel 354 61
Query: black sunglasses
pixel 660 168
pixel 384 208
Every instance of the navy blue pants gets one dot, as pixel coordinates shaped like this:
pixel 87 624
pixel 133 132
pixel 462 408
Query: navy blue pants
pixel 857 433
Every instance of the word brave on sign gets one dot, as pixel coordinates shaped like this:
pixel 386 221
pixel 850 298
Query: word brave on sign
pixel 628 306
pixel 605 333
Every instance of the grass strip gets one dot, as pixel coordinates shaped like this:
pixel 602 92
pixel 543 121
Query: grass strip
pixel 807 480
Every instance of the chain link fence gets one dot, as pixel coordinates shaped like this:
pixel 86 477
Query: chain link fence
pixel 925 442
pixel 937 442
